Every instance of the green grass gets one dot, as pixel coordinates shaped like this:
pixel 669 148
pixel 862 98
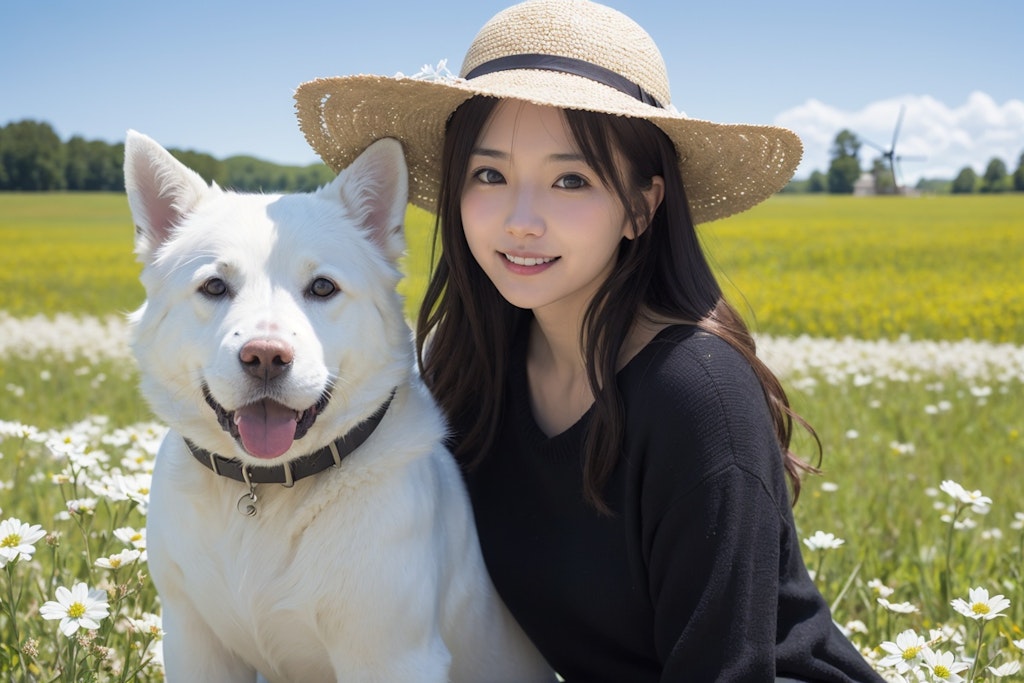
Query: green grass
pixel 51 393
pixel 881 507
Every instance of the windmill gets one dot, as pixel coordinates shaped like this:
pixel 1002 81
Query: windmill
pixel 890 156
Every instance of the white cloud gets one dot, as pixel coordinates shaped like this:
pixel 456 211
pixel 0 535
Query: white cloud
pixel 945 138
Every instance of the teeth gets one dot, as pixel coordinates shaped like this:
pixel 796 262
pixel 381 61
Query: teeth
pixel 527 261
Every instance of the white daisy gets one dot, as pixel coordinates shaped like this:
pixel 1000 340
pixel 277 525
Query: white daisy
pixel 149 625
pixel 136 538
pixel 955 490
pixel 880 589
pixel 943 666
pixel 855 626
pixel 979 503
pixel 898 607
pixel 1007 669
pixel 893 676
pixel 118 560
pixel 906 653
pixel 82 506
pixel 979 606
pixel 17 540
pixel 823 541
pixel 78 607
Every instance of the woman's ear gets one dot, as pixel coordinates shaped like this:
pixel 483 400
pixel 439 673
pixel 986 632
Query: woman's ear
pixel 653 196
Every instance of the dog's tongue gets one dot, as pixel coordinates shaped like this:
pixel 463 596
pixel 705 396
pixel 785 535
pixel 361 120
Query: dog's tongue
pixel 267 428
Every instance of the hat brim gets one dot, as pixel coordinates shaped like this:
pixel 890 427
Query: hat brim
pixel 726 168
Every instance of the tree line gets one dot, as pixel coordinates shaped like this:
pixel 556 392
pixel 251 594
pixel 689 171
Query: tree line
pixel 844 172
pixel 33 158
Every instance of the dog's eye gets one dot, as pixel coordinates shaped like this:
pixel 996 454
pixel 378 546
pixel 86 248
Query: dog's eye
pixel 322 288
pixel 214 287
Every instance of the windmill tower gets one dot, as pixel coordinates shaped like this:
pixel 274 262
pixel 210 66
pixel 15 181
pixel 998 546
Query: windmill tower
pixel 889 156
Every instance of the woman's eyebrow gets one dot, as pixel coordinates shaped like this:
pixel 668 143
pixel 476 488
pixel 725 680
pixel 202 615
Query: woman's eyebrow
pixel 567 156
pixel 486 152
pixel 496 154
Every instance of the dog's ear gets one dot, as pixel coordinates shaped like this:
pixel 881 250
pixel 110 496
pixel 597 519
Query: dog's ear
pixel 375 188
pixel 161 190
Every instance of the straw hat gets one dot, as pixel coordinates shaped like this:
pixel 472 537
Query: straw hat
pixel 573 54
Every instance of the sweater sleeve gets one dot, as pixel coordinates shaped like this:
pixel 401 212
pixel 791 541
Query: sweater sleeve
pixel 711 516
pixel 732 599
pixel 714 581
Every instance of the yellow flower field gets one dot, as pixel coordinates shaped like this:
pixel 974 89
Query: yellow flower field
pixel 871 268
pixel 930 267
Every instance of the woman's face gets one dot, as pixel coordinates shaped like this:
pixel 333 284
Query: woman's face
pixel 536 216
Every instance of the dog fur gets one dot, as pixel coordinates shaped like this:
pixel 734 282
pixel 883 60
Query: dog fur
pixel 367 571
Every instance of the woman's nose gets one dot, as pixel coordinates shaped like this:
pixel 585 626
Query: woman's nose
pixel 524 218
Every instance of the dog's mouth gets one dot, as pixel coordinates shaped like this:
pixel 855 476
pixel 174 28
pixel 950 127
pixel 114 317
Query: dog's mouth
pixel 266 428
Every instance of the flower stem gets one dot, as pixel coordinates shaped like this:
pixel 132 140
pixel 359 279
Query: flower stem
pixel 948 578
pixel 977 654
pixel 72 665
pixel 12 609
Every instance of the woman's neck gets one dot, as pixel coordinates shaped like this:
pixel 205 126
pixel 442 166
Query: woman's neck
pixel 556 341
pixel 559 390
pixel 555 345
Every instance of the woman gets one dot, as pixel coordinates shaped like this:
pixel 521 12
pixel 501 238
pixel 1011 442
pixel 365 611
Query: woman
pixel 625 450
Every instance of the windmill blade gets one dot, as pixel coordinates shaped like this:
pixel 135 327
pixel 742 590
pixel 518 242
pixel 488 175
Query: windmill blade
pixel 899 122
pixel 883 150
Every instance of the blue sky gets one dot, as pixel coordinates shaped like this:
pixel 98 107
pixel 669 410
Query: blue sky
pixel 218 77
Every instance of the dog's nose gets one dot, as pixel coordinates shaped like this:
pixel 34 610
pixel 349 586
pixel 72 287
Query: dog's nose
pixel 266 359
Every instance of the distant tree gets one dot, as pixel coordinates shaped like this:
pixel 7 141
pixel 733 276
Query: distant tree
pixel 245 174
pixel 309 178
pixel 106 166
pixel 211 169
pixel 842 174
pixel 795 186
pixel 934 185
pixel 845 167
pixel 3 168
pixel 885 183
pixel 965 181
pixel 1018 175
pixel 249 174
pixel 818 182
pixel 996 178
pixel 32 156
pixel 846 144
pixel 76 165
pixel 93 165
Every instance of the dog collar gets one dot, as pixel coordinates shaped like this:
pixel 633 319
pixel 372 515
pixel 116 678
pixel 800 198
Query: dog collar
pixel 290 472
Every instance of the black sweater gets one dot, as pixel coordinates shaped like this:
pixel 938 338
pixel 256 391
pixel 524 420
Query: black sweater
pixel 698 575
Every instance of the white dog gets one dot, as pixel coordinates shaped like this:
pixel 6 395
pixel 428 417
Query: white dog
pixel 305 520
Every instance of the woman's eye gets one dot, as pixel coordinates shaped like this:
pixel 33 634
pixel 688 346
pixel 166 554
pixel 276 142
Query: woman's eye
pixel 322 288
pixel 488 176
pixel 571 181
pixel 214 287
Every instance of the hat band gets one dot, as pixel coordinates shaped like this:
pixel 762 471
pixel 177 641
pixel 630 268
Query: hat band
pixel 568 65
